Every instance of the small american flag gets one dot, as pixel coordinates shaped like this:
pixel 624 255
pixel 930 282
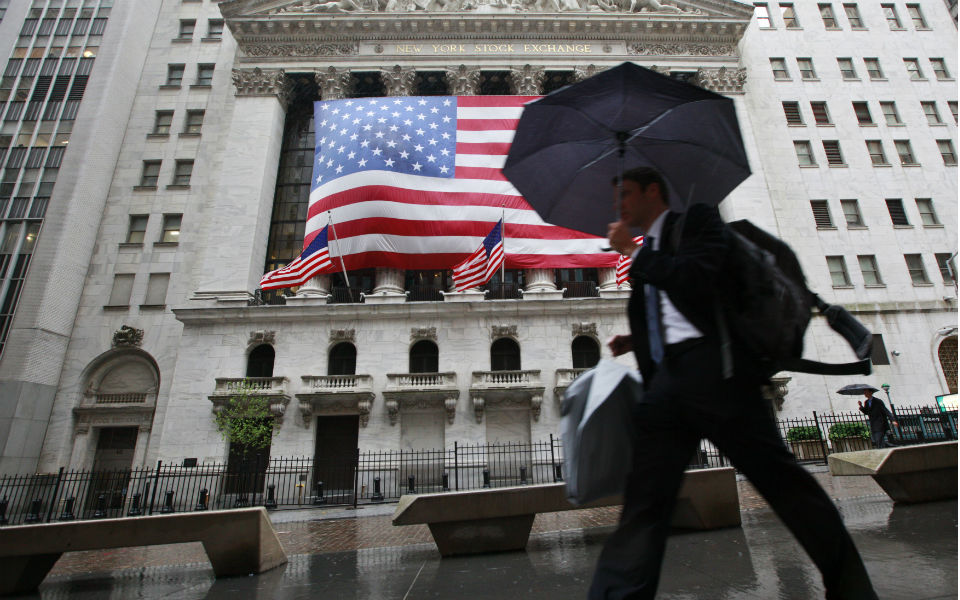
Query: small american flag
pixel 480 266
pixel 624 263
pixel 312 261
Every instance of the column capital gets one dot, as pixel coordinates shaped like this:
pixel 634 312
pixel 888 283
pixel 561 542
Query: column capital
pixel 263 82
pixel 333 83
pixel 527 80
pixel 581 73
pixel 463 80
pixel 398 81
pixel 721 80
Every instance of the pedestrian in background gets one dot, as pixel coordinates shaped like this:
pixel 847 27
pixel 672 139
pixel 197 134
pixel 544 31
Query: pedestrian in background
pixel 880 419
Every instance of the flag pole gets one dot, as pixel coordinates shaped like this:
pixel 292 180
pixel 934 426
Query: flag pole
pixel 503 242
pixel 339 253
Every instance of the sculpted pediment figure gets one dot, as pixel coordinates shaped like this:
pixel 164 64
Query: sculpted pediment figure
pixel 265 8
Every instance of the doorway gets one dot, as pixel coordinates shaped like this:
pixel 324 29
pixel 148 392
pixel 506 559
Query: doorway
pixel 335 459
pixel 111 470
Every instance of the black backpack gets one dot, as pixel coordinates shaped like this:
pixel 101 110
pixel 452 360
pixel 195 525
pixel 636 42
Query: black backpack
pixel 766 308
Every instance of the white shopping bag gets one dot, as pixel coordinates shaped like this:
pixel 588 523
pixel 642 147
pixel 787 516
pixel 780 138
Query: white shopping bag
pixel 597 431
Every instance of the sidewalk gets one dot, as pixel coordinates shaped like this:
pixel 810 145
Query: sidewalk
pixel 344 553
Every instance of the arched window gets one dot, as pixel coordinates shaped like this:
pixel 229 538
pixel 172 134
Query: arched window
pixel 947 353
pixel 586 352
pixel 260 361
pixel 342 359
pixel 504 355
pixel 424 357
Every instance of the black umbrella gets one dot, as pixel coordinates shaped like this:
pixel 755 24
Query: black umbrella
pixel 856 389
pixel 570 144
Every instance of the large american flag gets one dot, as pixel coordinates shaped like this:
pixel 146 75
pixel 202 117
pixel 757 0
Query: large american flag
pixel 415 183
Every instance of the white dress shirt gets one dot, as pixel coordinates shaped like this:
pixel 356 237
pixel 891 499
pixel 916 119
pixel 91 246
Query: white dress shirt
pixel 676 327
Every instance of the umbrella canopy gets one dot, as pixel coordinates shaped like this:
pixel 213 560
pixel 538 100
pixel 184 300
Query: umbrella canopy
pixel 856 389
pixel 567 147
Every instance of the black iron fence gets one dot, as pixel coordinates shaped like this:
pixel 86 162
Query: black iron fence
pixel 368 477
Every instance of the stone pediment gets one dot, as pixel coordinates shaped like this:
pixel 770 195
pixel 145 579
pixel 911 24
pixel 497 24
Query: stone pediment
pixel 242 9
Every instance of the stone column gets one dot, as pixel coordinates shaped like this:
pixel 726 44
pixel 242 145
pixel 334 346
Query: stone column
pixel 609 287
pixel 463 80
pixel 540 285
pixel 527 80
pixel 398 81
pixel 243 200
pixel 140 449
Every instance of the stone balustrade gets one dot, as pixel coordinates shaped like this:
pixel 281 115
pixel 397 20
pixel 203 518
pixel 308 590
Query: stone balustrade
pixel 421 391
pixel 335 395
pixel 564 378
pixel 273 389
pixel 125 398
pixel 506 389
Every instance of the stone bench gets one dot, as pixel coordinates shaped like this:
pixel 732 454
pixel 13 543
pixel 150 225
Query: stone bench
pixel 907 473
pixel 500 519
pixel 237 542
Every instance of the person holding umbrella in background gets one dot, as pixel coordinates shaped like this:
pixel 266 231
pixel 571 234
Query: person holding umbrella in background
pixel 880 418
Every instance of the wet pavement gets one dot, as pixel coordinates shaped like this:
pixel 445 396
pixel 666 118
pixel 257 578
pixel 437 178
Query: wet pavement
pixel 910 551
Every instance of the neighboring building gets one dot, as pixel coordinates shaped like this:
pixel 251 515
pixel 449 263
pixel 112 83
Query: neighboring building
pixel 130 256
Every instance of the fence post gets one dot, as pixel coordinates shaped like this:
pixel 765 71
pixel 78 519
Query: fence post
pixel 356 479
pixel 553 460
pixel 53 498
pixel 156 484
pixel 823 443
pixel 456 467
pixel 4 503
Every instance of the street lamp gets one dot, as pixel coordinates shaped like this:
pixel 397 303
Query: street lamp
pixel 886 389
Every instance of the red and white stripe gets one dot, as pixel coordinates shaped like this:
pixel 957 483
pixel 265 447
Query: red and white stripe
pixel 387 219
pixel 476 269
pixel 624 263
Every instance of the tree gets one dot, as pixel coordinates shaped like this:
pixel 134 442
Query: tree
pixel 245 419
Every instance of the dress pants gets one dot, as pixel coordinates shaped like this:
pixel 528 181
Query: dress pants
pixel 689 400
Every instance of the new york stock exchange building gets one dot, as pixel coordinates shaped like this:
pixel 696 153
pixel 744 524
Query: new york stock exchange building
pixel 132 255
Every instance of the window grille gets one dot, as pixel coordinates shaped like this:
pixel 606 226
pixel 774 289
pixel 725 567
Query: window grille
pixel 832 149
pixel 897 213
pixel 791 111
pixel 821 214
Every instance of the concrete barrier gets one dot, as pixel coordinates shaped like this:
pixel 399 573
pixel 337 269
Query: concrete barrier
pixel 500 519
pixel 907 473
pixel 237 542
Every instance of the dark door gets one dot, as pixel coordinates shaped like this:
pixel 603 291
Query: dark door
pixel 111 470
pixel 335 461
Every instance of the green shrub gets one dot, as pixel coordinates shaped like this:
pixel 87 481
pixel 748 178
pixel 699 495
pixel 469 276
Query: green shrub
pixel 847 430
pixel 803 433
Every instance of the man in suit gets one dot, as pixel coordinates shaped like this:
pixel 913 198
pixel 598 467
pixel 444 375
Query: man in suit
pixel 674 336
pixel 880 419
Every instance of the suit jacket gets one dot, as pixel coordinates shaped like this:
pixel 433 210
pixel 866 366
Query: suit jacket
pixel 878 413
pixel 691 276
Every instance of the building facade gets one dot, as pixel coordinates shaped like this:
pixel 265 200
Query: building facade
pixel 144 218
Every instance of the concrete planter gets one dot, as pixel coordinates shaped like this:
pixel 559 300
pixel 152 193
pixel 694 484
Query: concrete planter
pixel 807 449
pixel 851 444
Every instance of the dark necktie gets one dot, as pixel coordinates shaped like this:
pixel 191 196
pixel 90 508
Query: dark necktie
pixel 654 330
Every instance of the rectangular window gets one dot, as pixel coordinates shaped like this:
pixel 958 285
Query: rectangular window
pixel 948 152
pixel 762 12
pixel 150 174
pixel 851 213
pixel 55 157
pixel 120 292
pixel 804 153
pixel 890 12
pixel 853 16
pixel 789 16
pixel 890 114
pixel 877 155
pixel 214 29
pixel 162 122
pixel 898 216
pixel 940 68
pixel 791 110
pixel 868 267
pixel 847 70
pixel 174 74
pixel 171 229
pixel 779 67
pixel 927 215
pixel 829 18
pixel 834 156
pixel 862 110
pixel 63 26
pixel 806 68
pixel 839 276
pixel 918 274
pixel 931 112
pixel 913 69
pixel 205 74
pixel 953 109
pixel 821 214
pixel 137 229
pixel 157 289
pixel 820 113
pixel 947 267
pixel 916 16
pixel 98 26
pixel 182 172
pixel 193 122
pixel 186 29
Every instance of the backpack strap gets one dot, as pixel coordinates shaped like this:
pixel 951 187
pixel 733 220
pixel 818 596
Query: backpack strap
pixel 802 365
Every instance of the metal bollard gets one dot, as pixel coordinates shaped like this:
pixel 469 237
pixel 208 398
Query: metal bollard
pixel 271 502
pixel 377 495
pixel 3 511
pixel 241 501
pixel 101 511
pixel 167 503
pixel 202 500
pixel 523 475
pixel 319 499
pixel 135 507
pixel 34 515
pixel 67 514
pixel 446 482
pixel 486 478
pixel 558 472
pixel 411 484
